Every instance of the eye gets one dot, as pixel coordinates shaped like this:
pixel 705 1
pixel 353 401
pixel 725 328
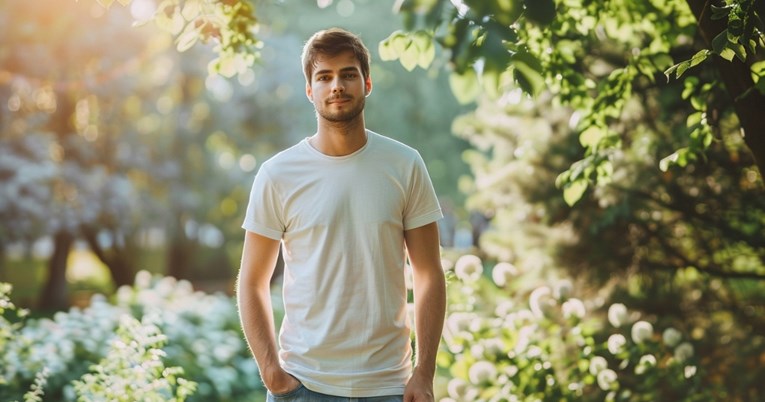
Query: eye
pixel 350 76
pixel 322 78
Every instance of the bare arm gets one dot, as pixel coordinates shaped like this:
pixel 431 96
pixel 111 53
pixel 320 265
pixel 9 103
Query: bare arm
pixel 429 307
pixel 255 311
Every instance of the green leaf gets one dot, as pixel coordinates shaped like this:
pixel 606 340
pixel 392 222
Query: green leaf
pixel 694 119
pixel 591 136
pixel 758 69
pixel 423 41
pixel 409 57
pixel 720 46
pixel 679 157
pixel 689 87
pixel 699 57
pixel 682 68
pixel 465 86
pixel 400 41
pixel 386 51
pixel 573 191
pixel 739 50
pixel 605 172
pixel 527 72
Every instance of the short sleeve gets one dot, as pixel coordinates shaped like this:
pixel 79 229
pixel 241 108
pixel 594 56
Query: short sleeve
pixel 264 211
pixel 422 205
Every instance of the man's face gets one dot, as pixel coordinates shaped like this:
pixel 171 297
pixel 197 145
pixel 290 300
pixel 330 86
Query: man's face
pixel 337 88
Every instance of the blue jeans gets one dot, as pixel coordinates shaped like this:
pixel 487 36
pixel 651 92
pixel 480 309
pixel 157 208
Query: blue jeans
pixel 303 394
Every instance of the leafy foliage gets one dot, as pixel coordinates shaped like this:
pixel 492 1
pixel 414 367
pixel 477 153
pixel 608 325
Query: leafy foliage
pixel 591 55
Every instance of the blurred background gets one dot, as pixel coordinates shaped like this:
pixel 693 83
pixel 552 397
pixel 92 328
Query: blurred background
pixel 123 159
pixel 121 154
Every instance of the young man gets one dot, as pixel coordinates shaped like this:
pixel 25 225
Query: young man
pixel 344 204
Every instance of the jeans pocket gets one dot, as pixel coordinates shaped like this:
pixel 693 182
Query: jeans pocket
pixel 283 395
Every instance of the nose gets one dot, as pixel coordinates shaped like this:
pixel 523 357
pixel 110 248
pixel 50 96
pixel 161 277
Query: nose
pixel 337 86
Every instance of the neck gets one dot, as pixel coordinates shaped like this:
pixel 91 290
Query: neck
pixel 339 138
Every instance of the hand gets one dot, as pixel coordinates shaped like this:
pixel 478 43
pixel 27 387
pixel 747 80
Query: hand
pixel 279 381
pixel 419 389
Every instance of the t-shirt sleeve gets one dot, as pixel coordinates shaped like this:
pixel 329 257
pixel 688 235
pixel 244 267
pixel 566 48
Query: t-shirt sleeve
pixel 264 210
pixel 422 205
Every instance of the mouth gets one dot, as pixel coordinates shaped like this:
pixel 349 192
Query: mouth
pixel 339 100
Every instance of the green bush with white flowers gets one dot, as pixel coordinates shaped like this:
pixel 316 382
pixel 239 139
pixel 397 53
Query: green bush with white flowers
pixel 157 340
pixel 516 337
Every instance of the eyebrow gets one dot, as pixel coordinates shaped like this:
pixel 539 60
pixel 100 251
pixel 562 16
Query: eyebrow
pixel 342 70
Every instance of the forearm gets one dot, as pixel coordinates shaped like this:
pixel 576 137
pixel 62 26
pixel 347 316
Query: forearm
pixel 255 313
pixel 253 290
pixel 429 311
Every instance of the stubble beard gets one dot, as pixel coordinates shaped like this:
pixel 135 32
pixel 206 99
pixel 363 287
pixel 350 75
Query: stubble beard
pixel 342 116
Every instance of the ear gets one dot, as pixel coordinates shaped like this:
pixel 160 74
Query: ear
pixel 368 86
pixel 309 92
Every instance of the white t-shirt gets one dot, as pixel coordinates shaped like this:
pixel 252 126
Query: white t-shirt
pixel 342 221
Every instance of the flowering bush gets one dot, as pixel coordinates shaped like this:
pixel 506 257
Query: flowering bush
pixel 202 332
pixel 506 340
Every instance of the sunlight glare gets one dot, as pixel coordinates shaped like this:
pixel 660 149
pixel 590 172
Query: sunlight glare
pixel 247 163
pixel 142 10
pixel 345 8
pixel 462 8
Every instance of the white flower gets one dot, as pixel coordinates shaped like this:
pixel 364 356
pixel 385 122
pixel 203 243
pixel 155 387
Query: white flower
pixel 142 279
pixel 482 372
pixel 617 315
pixel 683 352
pixel 597 364
pixel 477 351
pixel 689 371
pixel 671 337
pixel 562 289
pixel 493 347
pixel 459 322
pixel 616 343
pixel 607 379
pixel 468 268
pixel 503 273
pixel 573 308
pixel 504 308
pixel 641 331
pixel 646 362
pixel 541 301
pixel 456 388
pixel 525 335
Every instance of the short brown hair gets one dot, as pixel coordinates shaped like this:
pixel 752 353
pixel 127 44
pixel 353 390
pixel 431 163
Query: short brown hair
pixel 332 42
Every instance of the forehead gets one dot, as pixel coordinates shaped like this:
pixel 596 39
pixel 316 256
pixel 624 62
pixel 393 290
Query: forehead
pixel 340 61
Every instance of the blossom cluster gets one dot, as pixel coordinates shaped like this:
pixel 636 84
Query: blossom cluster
pixel 511 336
pixel 202 331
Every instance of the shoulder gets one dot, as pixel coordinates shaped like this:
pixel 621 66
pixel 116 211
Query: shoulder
pixel 286 157
pixel 394 147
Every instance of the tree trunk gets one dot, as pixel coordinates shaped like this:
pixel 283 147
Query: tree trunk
pixel 55 295
pixel 738 80
pixel 181 250
pixel 119 260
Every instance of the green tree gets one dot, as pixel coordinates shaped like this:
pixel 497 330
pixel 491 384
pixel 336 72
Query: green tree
pixel 593 55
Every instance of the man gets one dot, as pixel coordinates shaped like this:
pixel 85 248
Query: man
pixel 344 204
